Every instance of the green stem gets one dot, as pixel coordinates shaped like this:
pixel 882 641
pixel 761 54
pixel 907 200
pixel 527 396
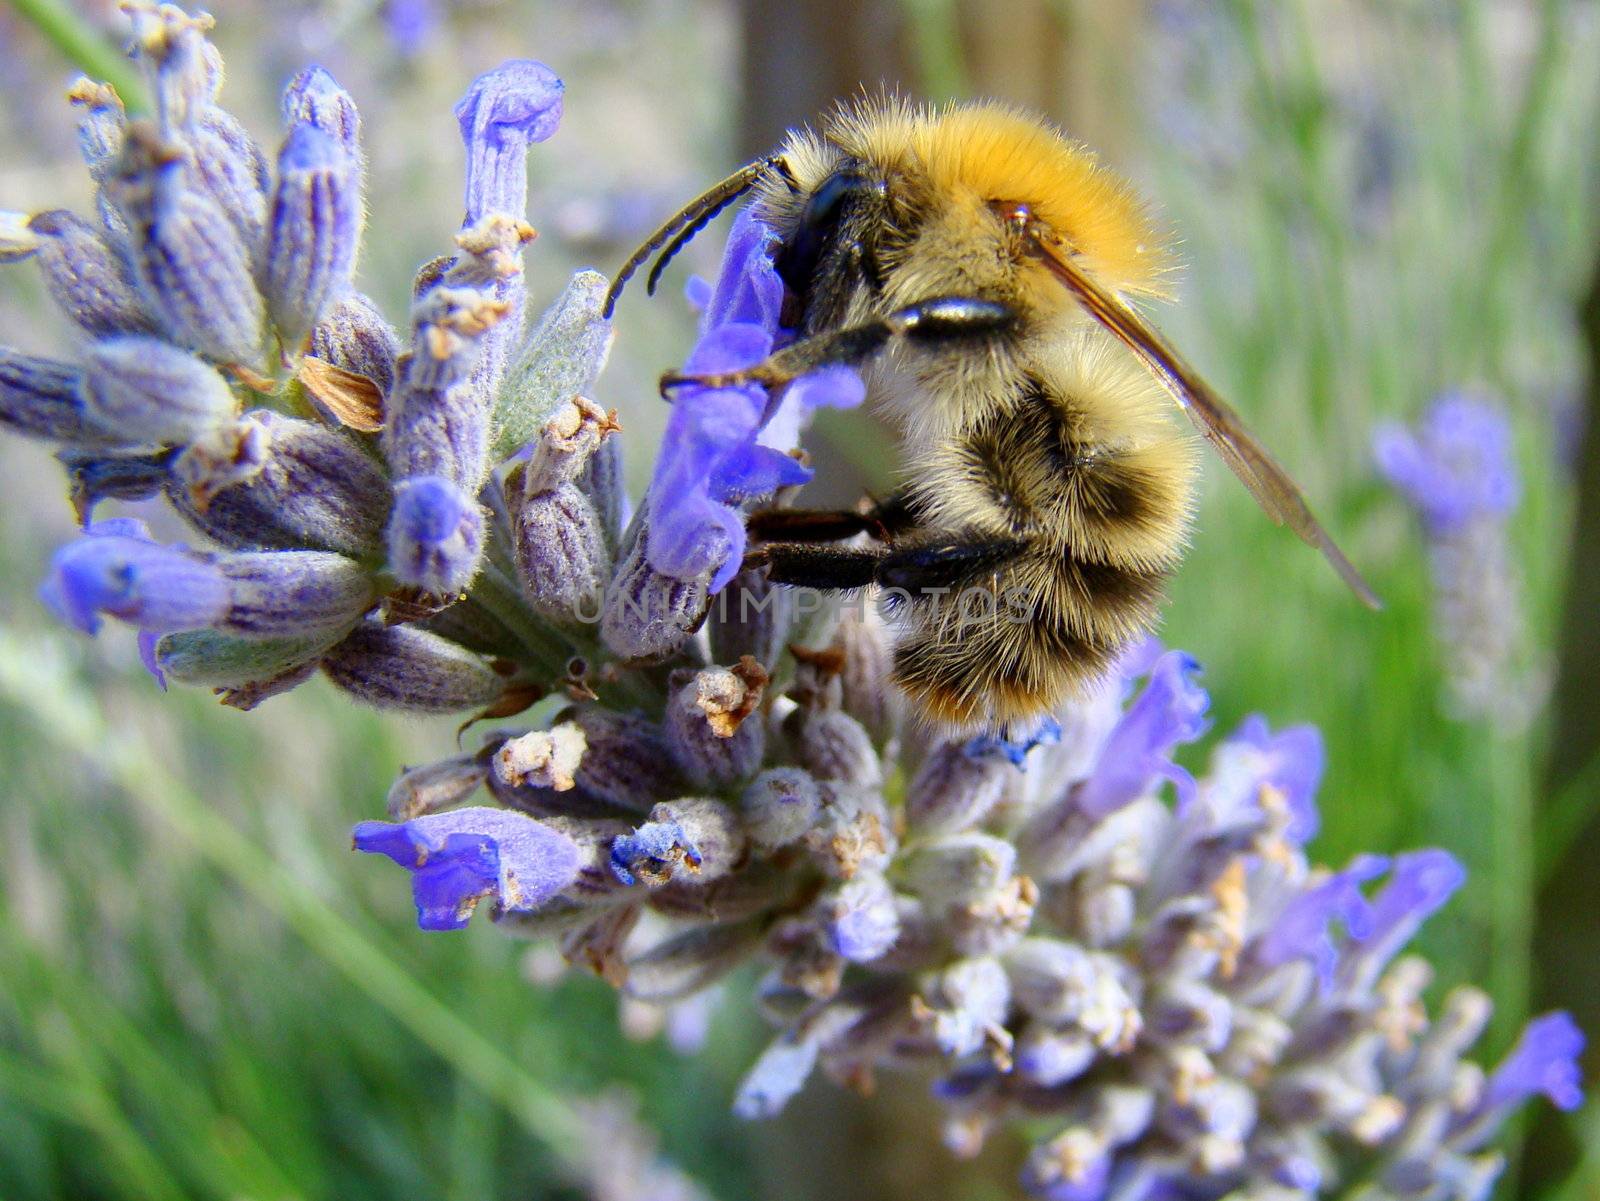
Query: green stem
pixel 85 47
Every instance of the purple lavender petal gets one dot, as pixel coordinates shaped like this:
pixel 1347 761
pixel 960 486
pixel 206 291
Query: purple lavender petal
pixel 1170 710
pixel 1456 465
pixel 505 111
pixel 1545 1060
pixel 435 536
pixel 465 856
pixel 116 569
pixel 1301 930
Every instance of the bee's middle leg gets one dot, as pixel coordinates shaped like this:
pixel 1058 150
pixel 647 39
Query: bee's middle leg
pixel 931 567
pixel 940 321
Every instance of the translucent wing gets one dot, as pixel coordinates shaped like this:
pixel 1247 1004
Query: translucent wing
pixel 1268 482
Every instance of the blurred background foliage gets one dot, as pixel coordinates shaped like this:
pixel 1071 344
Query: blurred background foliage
pixel 203 994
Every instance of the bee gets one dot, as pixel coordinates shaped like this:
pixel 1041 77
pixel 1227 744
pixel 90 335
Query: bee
pixel 978 266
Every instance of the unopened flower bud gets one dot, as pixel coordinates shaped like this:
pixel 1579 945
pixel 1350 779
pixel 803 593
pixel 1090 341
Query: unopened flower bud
pixel 626 762
pixel 85 277
pixel 752 616
pixel 835 746
pixel 713 726
pixel 434 787
pixel 435 536
pixel 44 398
pixel 968 1002
pixel 860 918
pixel 688 962
pixel 214 659
pixel 852 832
pixel 647 614
pixel 562 560
pixel 1047 1057
pixel 275 594
pixel 314 231
pixel 565 353
pixel 354 336
pixel 400 667
pixel 194 270
pixel 153 392
pixel 224 164
pixel 314 98
pixel 954 791
pixel 308 486
pixel 779 806
pixel 959 867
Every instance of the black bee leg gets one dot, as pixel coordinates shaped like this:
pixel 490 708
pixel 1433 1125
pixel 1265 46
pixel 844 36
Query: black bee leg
pixel 946 320
pixel 929 568
pixel 881 519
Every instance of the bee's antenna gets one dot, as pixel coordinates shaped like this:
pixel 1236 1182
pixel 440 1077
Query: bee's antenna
pixel 687 222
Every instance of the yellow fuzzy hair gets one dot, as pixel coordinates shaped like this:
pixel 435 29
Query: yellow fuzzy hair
pixel 984 150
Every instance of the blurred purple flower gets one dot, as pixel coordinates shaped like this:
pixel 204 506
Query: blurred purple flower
pixel 1545 1060
pixel 1456 465
pixel 1170 711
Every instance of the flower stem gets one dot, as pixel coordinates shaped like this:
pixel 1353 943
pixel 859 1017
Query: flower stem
pixel 85 47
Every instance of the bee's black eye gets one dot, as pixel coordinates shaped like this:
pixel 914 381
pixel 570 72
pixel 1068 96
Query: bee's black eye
pixel 819 225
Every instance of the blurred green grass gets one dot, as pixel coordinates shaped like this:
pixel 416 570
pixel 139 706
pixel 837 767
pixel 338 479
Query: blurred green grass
pixel 1388 200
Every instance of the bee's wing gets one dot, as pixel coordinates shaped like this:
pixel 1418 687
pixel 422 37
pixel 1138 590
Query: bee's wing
pixel 1250 461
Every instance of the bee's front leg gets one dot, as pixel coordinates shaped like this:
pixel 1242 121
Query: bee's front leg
pixel 942 321
pixel 881 519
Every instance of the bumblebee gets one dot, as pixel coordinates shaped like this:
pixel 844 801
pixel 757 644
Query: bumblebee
pixel 978 266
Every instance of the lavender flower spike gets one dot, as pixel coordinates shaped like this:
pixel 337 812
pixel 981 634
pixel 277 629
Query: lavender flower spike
pixel 315 231
pixel 467 856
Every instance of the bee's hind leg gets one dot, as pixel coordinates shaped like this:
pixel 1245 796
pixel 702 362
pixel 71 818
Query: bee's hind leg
pixel 941 321
pixel 930 568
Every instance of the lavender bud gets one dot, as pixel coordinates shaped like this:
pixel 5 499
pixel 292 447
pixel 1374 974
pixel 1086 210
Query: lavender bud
pixel 626 763
pixel 310 487
pixel 542 758
pixel 603 483
pixel 43 398
pixel 954 791
pixel 708 733
pixel 277 594
pixel 399 667
pixel 314 98
pixel 94 476
pixel 1047 1057
pixel 435 536
pixel 354 336
pixel 152 391
pixel 688 962
pixel 434 787
pixel 646 614
pixel 315 231
pixel 224 164
pixel 835 746
pixel 562 560
pixel 780 806
pixel 565 353
pixel 959 868
pixel 193 268
pixel 184 70
pixel 968 1002
pixel 711 829
pixel 436 421
pixel 85 278
pixel 852 832
pixel 751 617
pixel 101 125
pixel 218 660
pixel 865 689
pixel 860 919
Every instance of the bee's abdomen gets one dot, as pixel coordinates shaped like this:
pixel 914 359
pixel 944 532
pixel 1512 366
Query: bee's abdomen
pixel 1100 501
